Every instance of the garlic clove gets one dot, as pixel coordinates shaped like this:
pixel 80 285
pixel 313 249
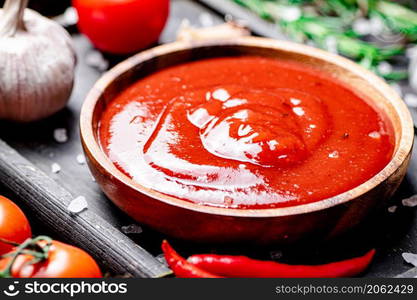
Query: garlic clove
pixel 37 60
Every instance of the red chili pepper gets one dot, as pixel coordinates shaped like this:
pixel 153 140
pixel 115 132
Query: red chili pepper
pixel 181 267
pixel 244 267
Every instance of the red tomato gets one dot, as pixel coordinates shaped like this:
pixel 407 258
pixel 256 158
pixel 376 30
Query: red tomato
pixel 122 26
pixel 64 261
pixel 14 226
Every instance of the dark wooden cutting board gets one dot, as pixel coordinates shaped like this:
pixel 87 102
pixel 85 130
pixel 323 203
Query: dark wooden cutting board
pixel 25 173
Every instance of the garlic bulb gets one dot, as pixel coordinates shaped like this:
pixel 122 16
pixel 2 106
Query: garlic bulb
pixel 37 63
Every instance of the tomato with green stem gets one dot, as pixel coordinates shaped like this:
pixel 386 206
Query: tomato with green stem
pixel 14 226
pixel 43 257
pixel 122 26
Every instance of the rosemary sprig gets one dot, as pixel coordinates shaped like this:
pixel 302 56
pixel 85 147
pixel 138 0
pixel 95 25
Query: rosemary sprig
pixel 328 24
pixel 397 17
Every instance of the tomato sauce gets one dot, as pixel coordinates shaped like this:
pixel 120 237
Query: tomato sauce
pixel 245 132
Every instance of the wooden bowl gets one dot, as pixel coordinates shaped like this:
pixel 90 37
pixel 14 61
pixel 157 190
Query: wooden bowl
pixel 190 221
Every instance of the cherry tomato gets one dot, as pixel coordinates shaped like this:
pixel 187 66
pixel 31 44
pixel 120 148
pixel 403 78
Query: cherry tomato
pixel 14 226
pixel 122 26
pixel 64 261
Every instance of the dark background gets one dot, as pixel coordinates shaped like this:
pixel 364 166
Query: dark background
pixel 391 233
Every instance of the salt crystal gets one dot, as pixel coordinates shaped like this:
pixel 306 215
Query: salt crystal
pixel 411 258
pixel 392 209
pixel 290 13
pixel 276 254
pixel 81 159
pixel 206 20
pixel 60 135
pixel 411 100
pixel 96 60
pixel 362 26
pixel 384 68
pixel 334 154
pixel 55 168
pixel 78 205
pixel 133 228
pixel 410 202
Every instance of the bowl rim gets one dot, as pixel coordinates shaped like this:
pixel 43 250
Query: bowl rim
pixel 95 152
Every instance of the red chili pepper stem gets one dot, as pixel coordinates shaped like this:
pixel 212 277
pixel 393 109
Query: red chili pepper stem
pixel 241 266
pixel 181 267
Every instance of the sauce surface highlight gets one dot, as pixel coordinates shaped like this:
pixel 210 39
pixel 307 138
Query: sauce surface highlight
pixel 245 132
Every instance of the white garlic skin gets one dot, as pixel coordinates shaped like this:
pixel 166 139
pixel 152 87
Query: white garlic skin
pixel 37 68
